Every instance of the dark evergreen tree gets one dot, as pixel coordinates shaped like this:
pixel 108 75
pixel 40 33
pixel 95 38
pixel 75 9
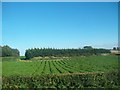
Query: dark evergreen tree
pixel 30 53
pixel 114 48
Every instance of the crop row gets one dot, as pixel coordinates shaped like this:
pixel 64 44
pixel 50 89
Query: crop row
pixel 53 67
pixel 61 66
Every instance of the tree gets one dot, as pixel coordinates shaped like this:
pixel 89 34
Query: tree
pixel 15 52
pixel 114 48
pixel 118 48
pixel 8 51
pixel 87 47
pixel 35 52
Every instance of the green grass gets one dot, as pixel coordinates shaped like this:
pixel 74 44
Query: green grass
pixel 14 67
pixel 9 58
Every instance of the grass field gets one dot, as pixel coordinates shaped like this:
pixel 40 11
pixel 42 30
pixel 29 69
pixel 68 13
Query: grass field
pixel 32 67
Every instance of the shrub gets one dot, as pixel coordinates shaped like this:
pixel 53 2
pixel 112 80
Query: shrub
pixel 88 80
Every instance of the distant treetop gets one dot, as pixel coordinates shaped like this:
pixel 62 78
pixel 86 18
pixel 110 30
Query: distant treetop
pixel 8 51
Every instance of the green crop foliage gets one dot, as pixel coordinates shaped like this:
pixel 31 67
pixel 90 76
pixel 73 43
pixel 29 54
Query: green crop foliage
pixel 72 72
pixel 72 65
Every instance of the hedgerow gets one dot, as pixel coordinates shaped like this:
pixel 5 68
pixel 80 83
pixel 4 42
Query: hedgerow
pixel 78 80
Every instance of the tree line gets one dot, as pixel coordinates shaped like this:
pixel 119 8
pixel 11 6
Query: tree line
pixel 86 51
pixel 116 48
pixel 8 51
pixel 35 52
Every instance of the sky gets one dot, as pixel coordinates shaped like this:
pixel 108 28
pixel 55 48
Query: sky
pixel 59 24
